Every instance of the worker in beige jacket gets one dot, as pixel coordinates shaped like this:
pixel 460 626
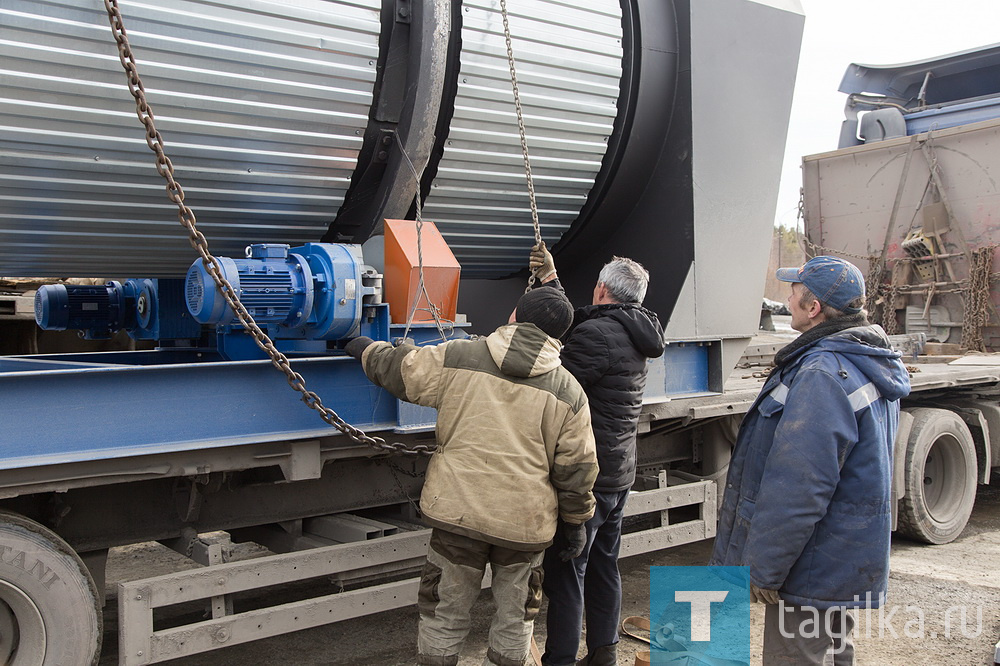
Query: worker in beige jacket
pixel 515 452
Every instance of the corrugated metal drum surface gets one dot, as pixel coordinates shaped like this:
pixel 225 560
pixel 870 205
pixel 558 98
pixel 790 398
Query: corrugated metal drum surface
pixel 262 106
pixel 569 66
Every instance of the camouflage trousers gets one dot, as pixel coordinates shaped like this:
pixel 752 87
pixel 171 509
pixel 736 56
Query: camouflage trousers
pixel 450 584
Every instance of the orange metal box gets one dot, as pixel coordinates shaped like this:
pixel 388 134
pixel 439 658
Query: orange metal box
pixel 402 271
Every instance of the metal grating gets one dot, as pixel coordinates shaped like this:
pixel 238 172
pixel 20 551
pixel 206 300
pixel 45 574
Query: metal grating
pixel 569 65
pixel 194 291
pixel 262 105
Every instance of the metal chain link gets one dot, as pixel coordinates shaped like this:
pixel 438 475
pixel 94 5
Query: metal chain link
pixel 975 298
pixel 186 216
pixel 882 297
pixel 874 287
pixel 811 248
pixel 433 309
pixel 974 291
pixel 873 280
pixel 890 292
pixel 878 293
pixel 520 129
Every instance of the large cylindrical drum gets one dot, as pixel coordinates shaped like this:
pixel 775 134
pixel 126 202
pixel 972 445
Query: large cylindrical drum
pixel 298 122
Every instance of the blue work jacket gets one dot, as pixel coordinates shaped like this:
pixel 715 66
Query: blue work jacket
pixel 807 499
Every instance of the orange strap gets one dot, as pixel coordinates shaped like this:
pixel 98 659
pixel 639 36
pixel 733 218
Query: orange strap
pixel 536 657
pixel 639 624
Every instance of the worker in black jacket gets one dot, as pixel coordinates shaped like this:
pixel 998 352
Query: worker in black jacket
pixel 606 350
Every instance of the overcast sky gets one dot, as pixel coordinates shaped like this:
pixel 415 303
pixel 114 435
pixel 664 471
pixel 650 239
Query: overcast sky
pixel 871 32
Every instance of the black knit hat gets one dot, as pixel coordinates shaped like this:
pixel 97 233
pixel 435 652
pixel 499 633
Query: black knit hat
pixel 548 309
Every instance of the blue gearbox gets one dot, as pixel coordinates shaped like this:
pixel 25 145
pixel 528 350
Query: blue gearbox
pixel 315 292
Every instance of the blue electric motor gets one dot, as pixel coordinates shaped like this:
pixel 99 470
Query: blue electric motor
pixel 97 308
pixel 302 297
pixel 316 292
pixel 149 309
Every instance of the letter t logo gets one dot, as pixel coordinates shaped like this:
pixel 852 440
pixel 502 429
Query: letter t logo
pixel 701 610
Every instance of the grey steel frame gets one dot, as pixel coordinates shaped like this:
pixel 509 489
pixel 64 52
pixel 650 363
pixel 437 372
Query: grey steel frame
pixel 139 643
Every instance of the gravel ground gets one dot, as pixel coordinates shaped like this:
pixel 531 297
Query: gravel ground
pixel 931 578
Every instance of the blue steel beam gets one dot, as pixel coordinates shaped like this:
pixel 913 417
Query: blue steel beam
pixel 113 411
pixel 70 408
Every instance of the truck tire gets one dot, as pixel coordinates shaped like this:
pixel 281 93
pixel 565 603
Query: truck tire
pixel 49 610
pixel 940 477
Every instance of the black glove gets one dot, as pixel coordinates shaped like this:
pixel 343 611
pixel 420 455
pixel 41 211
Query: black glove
pixel 357 346
pixel 541 262
pixel 576 540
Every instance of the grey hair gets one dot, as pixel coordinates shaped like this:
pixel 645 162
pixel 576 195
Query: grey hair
pixel 806 297
pixel 626 280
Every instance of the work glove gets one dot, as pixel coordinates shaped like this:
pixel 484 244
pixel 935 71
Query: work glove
pixel 357 346
pixel 576 539
pixel 541 262
pixel 763 596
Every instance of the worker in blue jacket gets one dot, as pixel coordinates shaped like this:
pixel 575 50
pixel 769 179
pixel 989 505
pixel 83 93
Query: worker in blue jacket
pixel 807 505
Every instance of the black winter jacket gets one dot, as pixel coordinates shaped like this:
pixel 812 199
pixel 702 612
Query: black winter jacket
pixel 606 350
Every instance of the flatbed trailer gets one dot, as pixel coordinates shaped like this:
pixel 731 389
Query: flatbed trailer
pixel 678 508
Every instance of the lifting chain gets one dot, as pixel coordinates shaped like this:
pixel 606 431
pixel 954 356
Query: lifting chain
pixel 198 241
pixel 520 129
pixel 881 297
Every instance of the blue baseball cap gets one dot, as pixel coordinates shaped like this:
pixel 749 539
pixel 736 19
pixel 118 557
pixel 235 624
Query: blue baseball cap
pixel 834 281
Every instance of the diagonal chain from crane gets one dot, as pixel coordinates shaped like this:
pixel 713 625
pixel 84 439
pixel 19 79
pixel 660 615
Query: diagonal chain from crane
pixel 187 218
